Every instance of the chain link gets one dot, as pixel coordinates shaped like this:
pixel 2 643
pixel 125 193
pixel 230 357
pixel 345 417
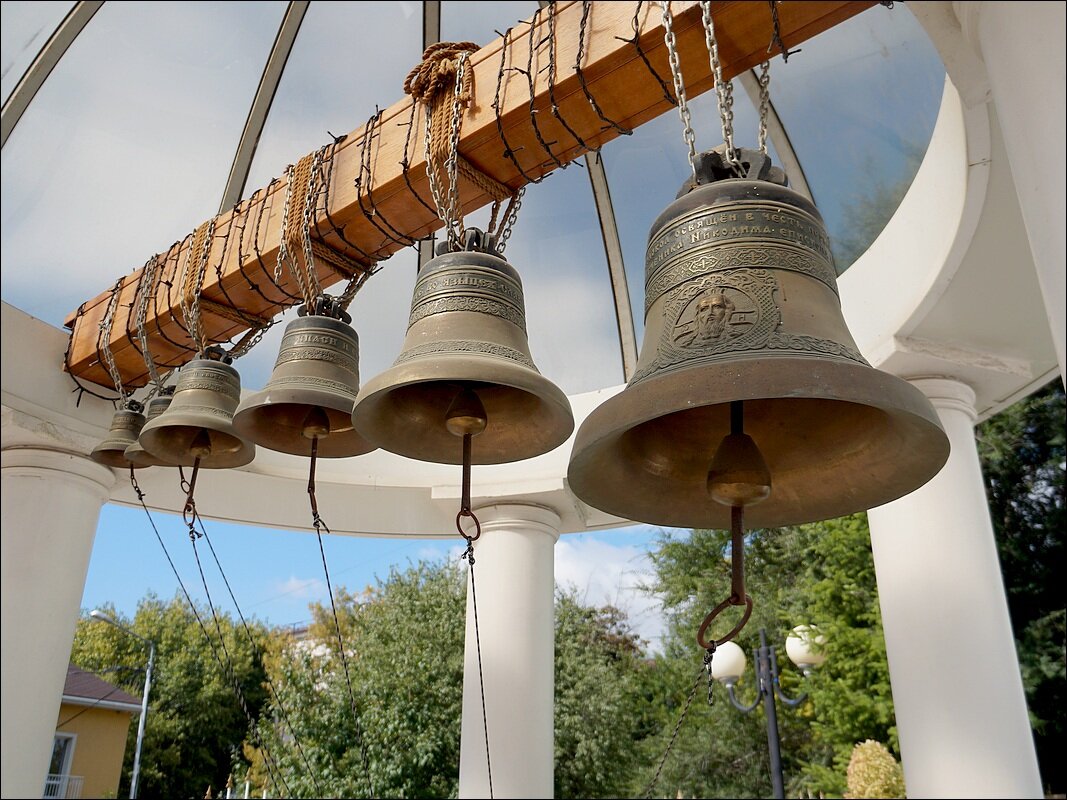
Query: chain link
pixel 723 89
pixel 509 221
pixel 106 325
pixel 679 85
pixel 283 247
pixel 764 80
pixel 147 288
pixel 194 318
pixel 309 211
pixel 447 199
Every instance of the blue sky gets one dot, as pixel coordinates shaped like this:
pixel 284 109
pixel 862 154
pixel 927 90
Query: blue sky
pixel 276 573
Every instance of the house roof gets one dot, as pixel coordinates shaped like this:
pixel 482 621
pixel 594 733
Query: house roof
pixel 85 688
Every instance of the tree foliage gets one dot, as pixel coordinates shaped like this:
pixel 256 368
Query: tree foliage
pixel 195 724
pixel 1022 451
pixel 821 574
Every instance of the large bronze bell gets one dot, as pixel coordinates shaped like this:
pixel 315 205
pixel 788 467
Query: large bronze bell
pixel 311 391
pixel 465 368
pixel 125 426
pixel 199 422
pixel 742 314
pixel 135 453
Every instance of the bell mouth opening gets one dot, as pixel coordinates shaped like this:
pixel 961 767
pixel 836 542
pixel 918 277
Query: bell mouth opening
pixel 828 458
pixel 302 420
pixel 412 420
pixel 193 441
pixel 112 456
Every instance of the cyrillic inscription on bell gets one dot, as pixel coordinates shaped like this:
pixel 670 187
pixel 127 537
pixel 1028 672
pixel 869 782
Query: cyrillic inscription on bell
pixel 741 303
pixel 466 334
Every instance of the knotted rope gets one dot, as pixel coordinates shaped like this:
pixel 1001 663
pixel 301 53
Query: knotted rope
pixel 432 82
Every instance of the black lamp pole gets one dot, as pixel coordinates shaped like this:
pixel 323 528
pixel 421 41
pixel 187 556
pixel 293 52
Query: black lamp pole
pixel 767 688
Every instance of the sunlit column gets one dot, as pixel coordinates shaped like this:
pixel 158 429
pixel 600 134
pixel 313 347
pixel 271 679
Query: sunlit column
pixel 960 708
pixel 51 501
pixel 515 586
pixel 1022 47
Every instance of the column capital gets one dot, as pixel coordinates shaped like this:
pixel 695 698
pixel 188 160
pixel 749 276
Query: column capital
pixel 58 465
pixel 948 394
pixel 508 515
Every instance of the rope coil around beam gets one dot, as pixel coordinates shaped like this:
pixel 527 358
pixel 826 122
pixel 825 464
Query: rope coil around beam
pixel 431 82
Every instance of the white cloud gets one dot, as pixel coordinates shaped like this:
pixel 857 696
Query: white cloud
pixel 612 574
pixel 300 588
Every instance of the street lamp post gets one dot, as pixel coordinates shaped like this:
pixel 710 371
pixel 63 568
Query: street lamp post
pixel 102 617
pixel 729 664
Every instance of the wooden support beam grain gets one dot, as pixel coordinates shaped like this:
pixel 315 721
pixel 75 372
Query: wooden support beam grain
pixel 379 199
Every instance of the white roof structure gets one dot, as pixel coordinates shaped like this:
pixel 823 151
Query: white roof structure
pixel 142 129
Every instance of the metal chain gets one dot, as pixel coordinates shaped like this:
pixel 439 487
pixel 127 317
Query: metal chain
pixel 679 86
pixel 309 212
pixel 509 221
pixel 283 247
pixel 147 288
pixel 723 89
pixel 448 206
pixel 106 324
pixel 764 80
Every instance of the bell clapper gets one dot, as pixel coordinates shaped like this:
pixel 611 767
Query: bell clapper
pixel 316 424
pixel 466 417
pixel 738 477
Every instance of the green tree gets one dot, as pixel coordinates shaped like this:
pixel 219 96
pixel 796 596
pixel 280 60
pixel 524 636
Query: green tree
pixel 1022 452
pixel 821 574
pixel 195 724
pixel 404 642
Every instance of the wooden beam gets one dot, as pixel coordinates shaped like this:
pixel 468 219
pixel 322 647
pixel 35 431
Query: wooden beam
pixel 375 206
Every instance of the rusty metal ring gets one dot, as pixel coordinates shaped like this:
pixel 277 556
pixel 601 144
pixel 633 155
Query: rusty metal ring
pixel 714 613
pixel 466 512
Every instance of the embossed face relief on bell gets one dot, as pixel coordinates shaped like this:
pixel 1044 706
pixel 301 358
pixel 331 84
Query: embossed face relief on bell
pixel 310 393
pixel 466 333
pixel 741 304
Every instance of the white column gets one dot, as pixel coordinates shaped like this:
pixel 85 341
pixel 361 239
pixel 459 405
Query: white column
pixel 51 501
pixel 1022 47
pixel 961 713
pixel 515 586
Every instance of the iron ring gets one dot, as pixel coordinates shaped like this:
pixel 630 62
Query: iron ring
pixel 466 512
pixel 714 613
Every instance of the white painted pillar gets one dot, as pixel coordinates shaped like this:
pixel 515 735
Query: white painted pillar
pixel 51 502
pixel 515 585
pixel 1022 47
pixel 960 708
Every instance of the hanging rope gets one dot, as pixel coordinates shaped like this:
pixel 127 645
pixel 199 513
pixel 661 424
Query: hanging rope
pixel 705 669
pixel 272 768
pixel 319 525
pixel 468 555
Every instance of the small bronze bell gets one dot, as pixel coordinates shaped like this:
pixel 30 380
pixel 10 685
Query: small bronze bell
pixel 466 336
pixel 135 453
pixel 741 304
pixel 199 422
pixel 125 426
pixel 311 391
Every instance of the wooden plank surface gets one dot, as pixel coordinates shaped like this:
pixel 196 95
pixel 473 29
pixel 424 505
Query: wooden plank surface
pixel 373 221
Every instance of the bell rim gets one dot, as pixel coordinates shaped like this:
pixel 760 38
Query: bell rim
pixel 601 432
pixel 141 458
pixel 244 454
pixel 343 444
pixel 445 368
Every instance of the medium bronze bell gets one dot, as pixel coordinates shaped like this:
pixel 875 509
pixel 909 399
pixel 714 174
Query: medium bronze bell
pixel 135 453
pixel 199 422
pixel 466 336
pixel 741 304
pixel 125 426
pixel 311 391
